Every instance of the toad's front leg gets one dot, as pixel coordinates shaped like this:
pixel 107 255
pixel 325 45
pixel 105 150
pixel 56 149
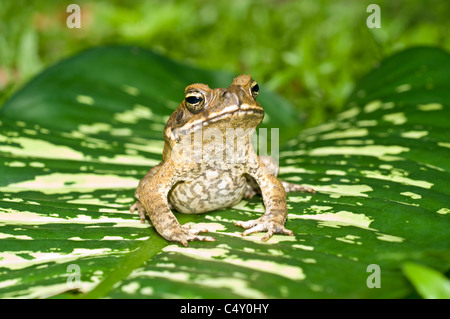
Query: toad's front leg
pixel 153 197
pixel 274 197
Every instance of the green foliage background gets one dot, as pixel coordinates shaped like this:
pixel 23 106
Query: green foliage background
pixel 309 51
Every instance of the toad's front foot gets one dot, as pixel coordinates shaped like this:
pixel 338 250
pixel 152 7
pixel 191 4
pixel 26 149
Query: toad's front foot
pixel 264 224
pixel 183 234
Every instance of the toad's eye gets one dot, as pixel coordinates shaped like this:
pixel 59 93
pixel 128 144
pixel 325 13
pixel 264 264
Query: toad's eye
pixel 255 89
pixel 194 101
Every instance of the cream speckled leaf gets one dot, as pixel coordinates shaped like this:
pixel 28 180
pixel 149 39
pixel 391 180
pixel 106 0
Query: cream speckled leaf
pixel 76 140
pixel 74 143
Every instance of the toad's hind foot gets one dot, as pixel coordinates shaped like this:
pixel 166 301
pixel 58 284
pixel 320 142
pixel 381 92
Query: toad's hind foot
pixel 264 224
pixel 290 187
pixel 140 209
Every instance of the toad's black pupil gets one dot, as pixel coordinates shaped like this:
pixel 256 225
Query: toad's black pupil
pixel 255 88
pixel 193 99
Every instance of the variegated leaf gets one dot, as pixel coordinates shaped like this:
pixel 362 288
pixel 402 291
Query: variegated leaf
pixel 77 139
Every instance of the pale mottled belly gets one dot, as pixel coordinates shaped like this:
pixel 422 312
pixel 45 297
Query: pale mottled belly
pixel 211 191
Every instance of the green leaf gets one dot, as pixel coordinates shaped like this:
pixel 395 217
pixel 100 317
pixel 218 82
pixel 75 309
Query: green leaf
pixel 74 143
pixel 429 283
pixel 76 140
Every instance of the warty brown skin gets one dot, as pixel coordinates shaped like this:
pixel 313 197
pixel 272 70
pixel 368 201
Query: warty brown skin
pixel 208 180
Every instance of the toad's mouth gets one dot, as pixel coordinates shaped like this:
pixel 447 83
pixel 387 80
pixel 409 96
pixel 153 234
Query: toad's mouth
pixel 230 112
pixel 239 112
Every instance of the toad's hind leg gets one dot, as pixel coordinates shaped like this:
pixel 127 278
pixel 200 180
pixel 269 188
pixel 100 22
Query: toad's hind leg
pixel 289 187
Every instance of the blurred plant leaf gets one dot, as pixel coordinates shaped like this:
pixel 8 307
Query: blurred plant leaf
pixel 77 139
pixel 428 282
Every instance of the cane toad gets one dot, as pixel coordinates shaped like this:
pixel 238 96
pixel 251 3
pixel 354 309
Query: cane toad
pixel 209 163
